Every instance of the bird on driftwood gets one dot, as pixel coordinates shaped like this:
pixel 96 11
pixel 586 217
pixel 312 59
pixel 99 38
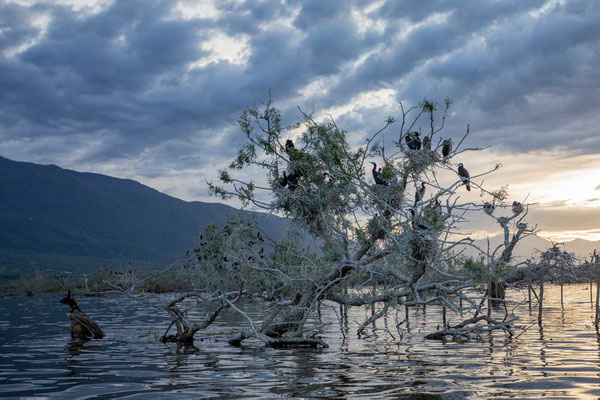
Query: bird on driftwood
pixel 71 302
pixel 413 141
pixel 377 176
pixel 427 143
pixel 446 148
pixel 464 175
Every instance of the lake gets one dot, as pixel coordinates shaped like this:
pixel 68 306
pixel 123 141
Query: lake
pixel 38 359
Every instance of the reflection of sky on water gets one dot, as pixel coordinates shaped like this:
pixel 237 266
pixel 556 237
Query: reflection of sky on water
pixel 38 358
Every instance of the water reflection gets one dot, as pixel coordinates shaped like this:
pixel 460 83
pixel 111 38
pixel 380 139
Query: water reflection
pixel 559 359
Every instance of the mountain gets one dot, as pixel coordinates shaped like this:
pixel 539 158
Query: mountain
pixel 531 246
pixel 57 218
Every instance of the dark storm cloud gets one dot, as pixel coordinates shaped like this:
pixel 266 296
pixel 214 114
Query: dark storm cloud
pixel 117 84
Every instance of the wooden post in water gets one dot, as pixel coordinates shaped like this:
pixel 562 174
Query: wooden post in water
pixel 489 300
pixel 373 293
pixel 444 316
pixel 541 299
pixel 597 317
pixel 561 290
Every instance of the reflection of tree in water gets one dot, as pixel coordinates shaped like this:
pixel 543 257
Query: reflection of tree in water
pixel 182 353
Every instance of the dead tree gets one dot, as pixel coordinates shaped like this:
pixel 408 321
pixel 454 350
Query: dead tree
pixel 377 234
pixel 185 329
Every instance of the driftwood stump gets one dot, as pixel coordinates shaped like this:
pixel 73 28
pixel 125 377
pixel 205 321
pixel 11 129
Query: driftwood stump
pixel 84 327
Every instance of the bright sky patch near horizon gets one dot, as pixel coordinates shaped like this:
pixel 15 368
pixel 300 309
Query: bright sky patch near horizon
pixel 151 89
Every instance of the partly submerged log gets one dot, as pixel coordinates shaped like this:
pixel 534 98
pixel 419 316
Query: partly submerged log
pixel 463 330
pixel 84 327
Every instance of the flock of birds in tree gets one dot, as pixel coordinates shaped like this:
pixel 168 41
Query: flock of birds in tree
pixel 413 141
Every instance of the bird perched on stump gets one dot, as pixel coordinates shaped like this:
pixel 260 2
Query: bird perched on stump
pixel 71 302
pixel 413 141
pixel 464 175
pixel 447 148
pixel 517 207
pixel 377 175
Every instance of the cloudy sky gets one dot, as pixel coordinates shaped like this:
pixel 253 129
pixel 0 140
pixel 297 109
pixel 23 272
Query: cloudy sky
pixel 151 89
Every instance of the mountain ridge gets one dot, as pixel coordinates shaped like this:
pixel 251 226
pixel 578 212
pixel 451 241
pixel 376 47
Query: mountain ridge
pixel 48 210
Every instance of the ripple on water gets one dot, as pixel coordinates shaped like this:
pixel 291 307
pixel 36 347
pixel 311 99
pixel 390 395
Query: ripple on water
pixel 37 358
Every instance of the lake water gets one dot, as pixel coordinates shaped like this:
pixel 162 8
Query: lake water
pixel 39 360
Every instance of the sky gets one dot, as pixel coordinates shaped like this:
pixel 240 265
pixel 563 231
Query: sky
pixel 151 89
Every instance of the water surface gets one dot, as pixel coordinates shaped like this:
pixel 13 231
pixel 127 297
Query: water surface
pixel 39 360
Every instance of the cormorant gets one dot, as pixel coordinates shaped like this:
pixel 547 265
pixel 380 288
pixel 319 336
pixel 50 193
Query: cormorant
pixel 289 145
pixel 446 148
pixel 464 175
pixel 71 302
pixel 427 143
pixel 517 207
pixel 416 224
pixel 283 181
pixel 377 175
pixel 292 181
pixel 413 141
pixel 437 206
pixel 419 193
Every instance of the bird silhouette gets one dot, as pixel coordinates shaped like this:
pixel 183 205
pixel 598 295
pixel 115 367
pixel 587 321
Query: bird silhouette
pixel 427 143
pixel 377 176
pixel 413 141
pixel 283 181
pixel 446 148
pixel 464 175
pixel 420 193
pixel 71 302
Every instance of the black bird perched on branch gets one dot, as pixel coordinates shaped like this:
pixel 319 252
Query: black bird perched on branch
pixel 292 181
pixel 377 175
pixel 416 223
pixel 437 206
pixel 464 175
pixel 427 143
pixel 71 302
pixel 488 208
pixel 446 148
pixel 413 141
pixel 289 145
pixel 420 193
pixel 283 181
pixel 517 207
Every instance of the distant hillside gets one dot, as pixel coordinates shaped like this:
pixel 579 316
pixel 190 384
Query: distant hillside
pixel 56 218
pixel 531 246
